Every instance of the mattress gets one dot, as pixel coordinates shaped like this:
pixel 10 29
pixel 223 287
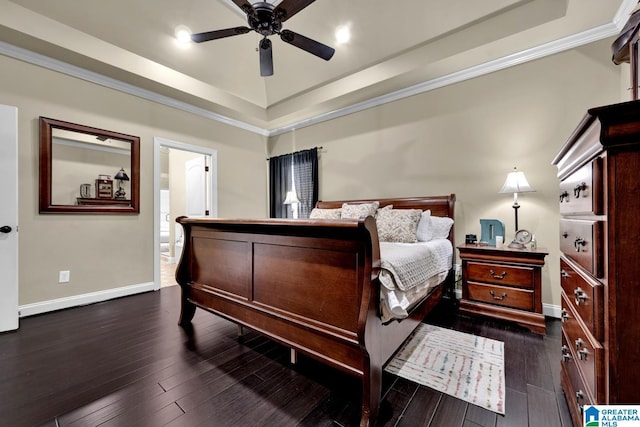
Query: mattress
pixel 409 272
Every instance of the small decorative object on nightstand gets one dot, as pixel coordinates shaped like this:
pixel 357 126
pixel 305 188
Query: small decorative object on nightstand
pixel 504 283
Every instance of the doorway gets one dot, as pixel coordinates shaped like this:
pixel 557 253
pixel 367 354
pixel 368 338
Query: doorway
pixel 185 183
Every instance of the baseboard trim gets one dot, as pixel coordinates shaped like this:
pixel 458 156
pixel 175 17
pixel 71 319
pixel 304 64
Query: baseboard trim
pixel 83 299
pixel 551 310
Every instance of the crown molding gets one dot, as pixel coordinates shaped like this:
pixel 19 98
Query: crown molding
pixel 511 60
pixel 47 62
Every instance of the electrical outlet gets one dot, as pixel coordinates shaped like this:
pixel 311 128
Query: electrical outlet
pixel 64 276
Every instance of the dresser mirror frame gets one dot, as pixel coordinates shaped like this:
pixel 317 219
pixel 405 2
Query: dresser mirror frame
pixel 51 129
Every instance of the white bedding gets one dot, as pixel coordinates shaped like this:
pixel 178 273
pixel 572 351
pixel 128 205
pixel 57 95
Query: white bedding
pixel 409 271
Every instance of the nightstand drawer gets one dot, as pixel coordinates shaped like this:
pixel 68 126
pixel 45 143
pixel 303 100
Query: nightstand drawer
pixel 586 351
pixel 500 274
pixel 585 295
pixel 581 240
pixel 581 192
pixel 521 299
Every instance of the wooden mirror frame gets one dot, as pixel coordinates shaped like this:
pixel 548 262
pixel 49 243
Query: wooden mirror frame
pixel 47 126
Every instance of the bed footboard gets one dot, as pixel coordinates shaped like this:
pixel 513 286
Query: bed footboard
pixel 308 284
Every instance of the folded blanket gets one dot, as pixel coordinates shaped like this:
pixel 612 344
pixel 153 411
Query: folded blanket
pixel 405 266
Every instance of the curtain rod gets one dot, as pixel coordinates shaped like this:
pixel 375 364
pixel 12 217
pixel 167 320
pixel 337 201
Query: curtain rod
pixel 296 152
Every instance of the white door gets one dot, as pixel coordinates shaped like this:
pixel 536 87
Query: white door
pixel 196 191
pixel 8 218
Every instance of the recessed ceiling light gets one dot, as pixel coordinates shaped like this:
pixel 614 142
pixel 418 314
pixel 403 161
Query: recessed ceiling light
pixel 343 34
pixel 183 35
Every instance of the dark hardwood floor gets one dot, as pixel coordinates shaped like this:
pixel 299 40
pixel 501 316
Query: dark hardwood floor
pixel 127 363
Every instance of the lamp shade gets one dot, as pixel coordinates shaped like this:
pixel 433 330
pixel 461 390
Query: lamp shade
pixel 516 182
pixel 121 175
pixel 291 198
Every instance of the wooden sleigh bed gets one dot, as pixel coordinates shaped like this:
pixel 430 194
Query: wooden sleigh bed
pixel 311 285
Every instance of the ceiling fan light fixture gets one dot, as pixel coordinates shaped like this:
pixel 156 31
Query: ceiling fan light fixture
pixel 343 34
pixel 183 35
pixel 266 19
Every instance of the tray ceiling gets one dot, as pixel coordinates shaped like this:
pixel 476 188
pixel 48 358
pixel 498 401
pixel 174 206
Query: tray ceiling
pixel 395 47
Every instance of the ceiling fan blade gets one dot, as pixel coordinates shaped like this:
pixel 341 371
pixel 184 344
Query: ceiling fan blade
pixel 316 48
pixel 266 58
pixel 245 6
pixel 288 8
pixel 219 34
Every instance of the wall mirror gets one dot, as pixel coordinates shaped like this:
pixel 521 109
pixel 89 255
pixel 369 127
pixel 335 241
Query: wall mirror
pixel 88 170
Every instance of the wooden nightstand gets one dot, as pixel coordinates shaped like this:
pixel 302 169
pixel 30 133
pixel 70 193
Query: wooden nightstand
pixel 504 283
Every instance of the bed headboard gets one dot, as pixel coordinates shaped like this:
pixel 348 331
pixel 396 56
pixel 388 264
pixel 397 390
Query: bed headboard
pixel 439 206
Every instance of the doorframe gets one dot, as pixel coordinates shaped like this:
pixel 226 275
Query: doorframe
pixel 158 144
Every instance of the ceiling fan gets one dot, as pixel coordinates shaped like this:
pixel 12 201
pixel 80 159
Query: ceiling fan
pixel 266 19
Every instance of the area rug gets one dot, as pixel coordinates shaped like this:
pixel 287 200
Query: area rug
pixel 465 366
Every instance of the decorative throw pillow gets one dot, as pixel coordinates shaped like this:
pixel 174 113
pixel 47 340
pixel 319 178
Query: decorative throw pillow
pixel 423 233
pixel 440 227
pixel 317 213
pixel 398 225
pixel 357 211
pixel 386 208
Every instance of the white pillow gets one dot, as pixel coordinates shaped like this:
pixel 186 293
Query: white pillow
pixel 359 210
pixel 423 233
pixel 317 213
pixel 398 225
pixel 440 227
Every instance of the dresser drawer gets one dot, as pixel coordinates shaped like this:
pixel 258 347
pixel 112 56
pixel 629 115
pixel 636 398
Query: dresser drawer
pixel 586 351
pixel 521 299
pixel 581 240
pixel 577 394
pixel 582 192
pixel 585 295
pixel 500 274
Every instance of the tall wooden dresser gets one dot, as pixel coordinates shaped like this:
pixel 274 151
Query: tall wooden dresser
pixel 599 172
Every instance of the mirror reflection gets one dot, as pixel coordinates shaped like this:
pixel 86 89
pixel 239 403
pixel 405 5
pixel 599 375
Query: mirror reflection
pixel 85 169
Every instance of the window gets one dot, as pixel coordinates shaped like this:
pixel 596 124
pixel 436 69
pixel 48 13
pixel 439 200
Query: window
pixel 293 175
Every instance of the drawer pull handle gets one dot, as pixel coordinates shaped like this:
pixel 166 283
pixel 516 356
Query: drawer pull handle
pixel 578 188
pixel 580 295
pixel 579 397
pixel 564 274
pixel 566 356
pixel 578 243
pixel 497 276
pixel 564 195
pixel 564 315
pixel 582 354
pixel 579 343
pixel 498 298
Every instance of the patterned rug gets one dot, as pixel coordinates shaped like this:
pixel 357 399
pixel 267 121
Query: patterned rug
pixel 465 366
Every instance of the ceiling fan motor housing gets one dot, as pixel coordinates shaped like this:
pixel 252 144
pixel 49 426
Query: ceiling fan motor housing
pixel 263 20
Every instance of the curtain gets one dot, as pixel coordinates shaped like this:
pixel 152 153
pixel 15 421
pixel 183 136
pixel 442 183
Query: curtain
pixel 305 175
pixel 279 183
